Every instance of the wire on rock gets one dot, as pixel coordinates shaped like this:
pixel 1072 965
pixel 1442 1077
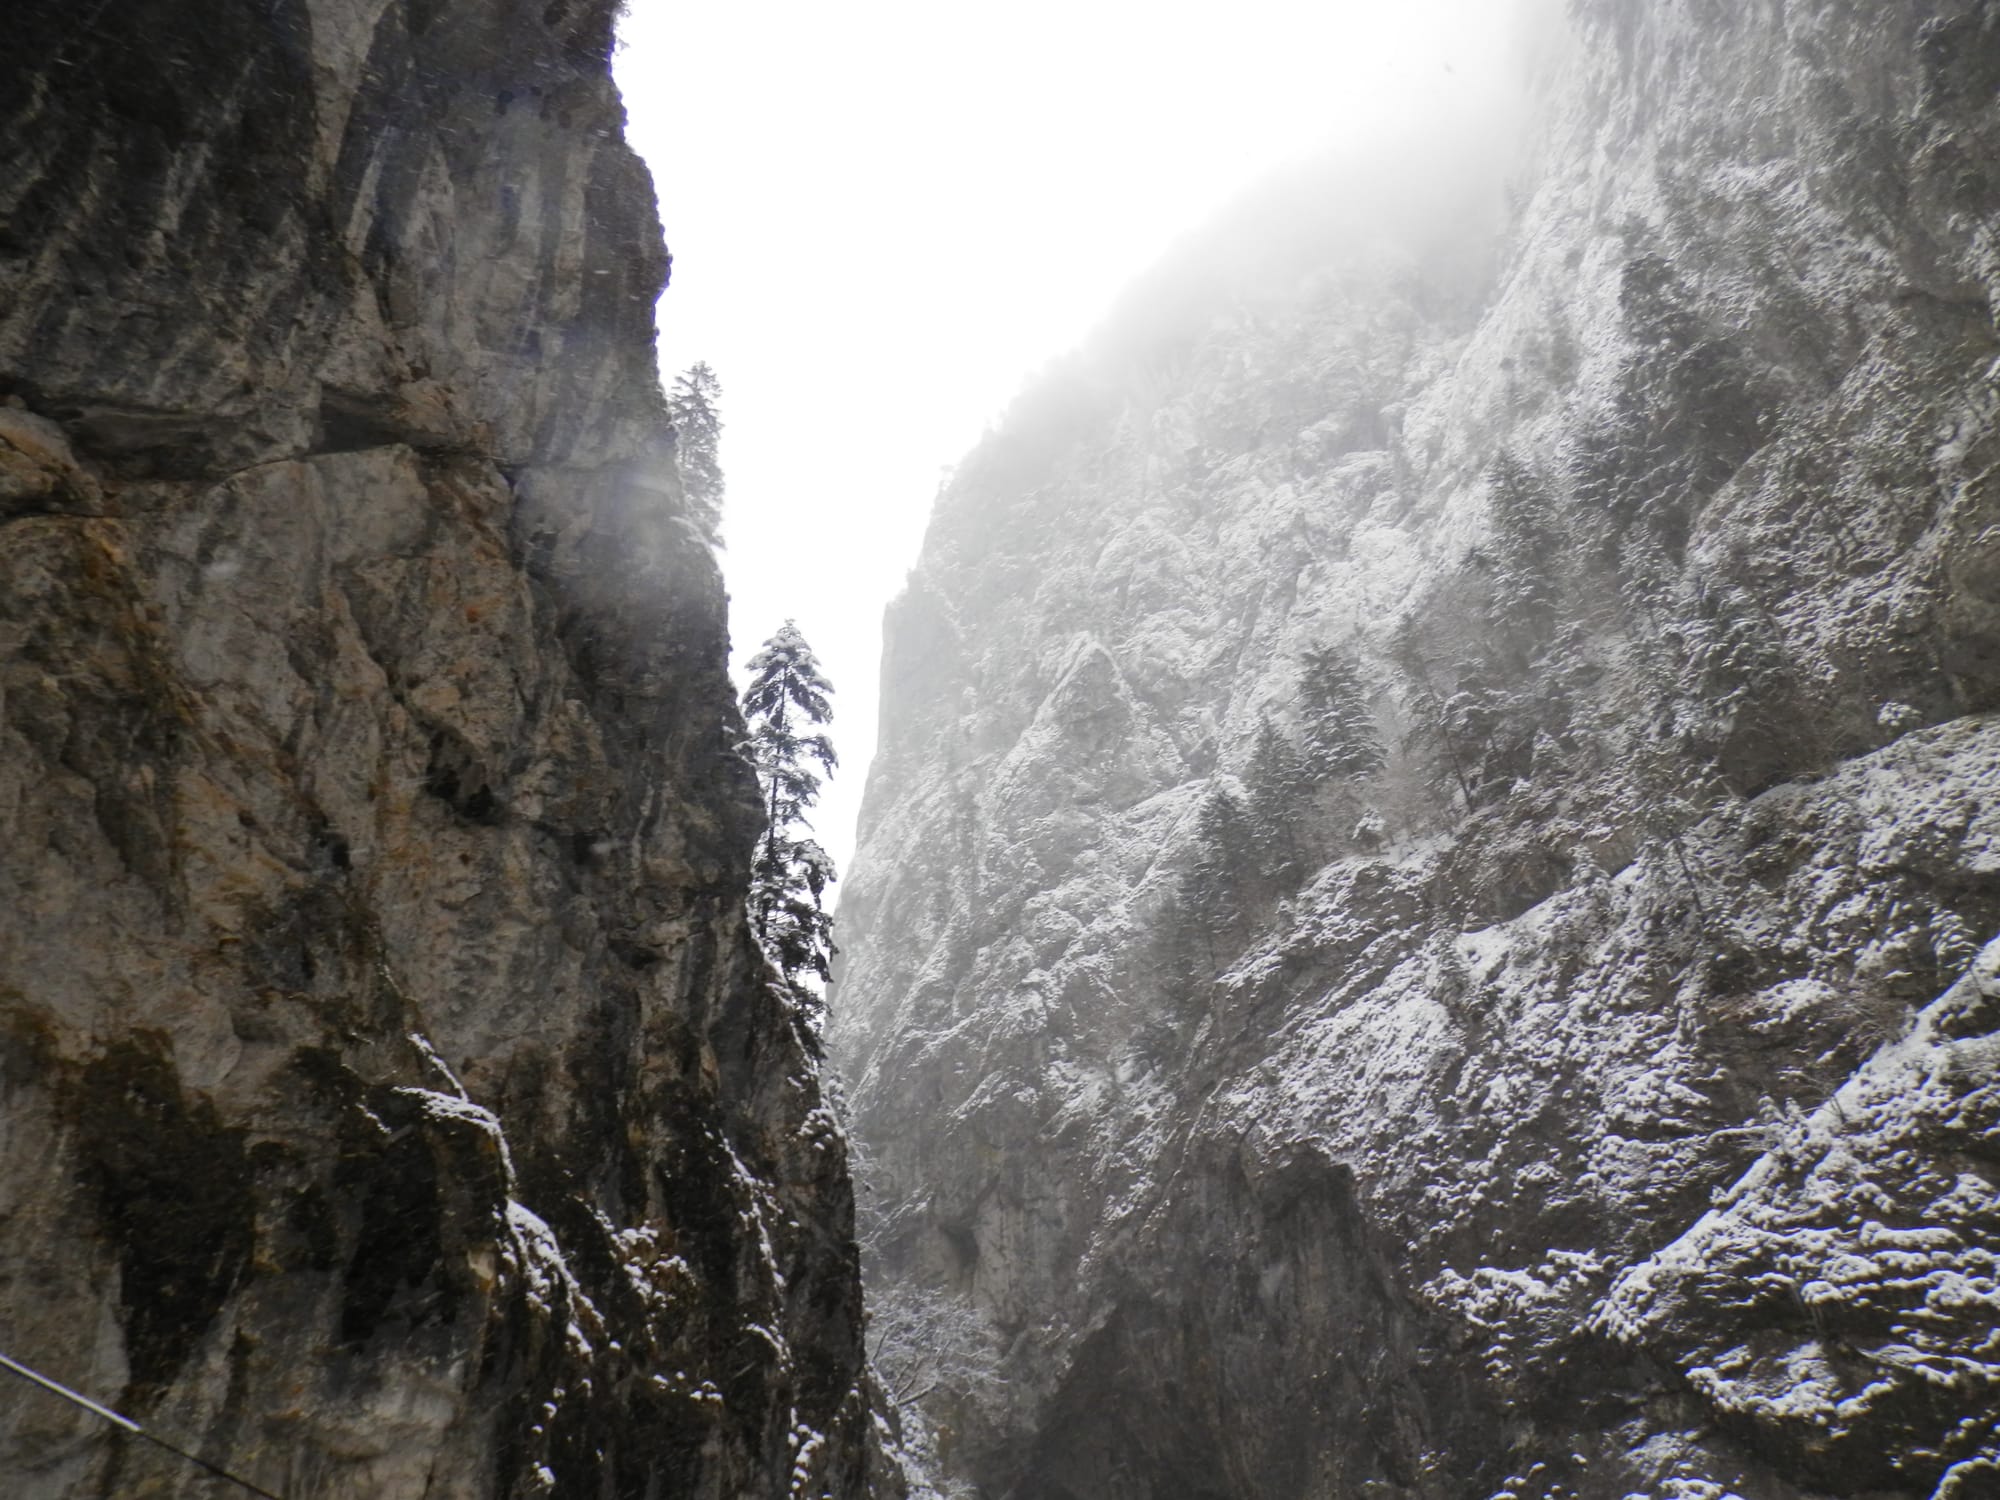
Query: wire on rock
pixel 57 1388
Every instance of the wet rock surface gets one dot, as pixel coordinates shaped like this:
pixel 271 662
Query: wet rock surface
pixel 393 1103
pixel 1595 1100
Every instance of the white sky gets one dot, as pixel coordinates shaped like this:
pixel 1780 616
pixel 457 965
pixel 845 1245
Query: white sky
pixel 886 214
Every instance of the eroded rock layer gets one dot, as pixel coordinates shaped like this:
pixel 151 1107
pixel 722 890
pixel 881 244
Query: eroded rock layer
pixel 392 1103
pixel 1535 1084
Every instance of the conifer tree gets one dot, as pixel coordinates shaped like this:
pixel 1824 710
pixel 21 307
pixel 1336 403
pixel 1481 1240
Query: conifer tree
pixel 694 407
pixel 1683 414
pixel 1279 791
pixel 1338 728
pixel 788 697
pixel 1213 885
pixel 1526 547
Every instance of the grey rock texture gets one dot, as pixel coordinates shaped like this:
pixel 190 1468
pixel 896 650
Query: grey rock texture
pixel 1581 1116
pixel 391 1102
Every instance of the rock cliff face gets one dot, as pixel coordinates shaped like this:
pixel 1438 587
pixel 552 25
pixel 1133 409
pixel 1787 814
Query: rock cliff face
pixel 393 1104
pixel 1599 1097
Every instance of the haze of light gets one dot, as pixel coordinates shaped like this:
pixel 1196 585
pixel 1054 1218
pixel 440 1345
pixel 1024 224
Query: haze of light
pixel 885 215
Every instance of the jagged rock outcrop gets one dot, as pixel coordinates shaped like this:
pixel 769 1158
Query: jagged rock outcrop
pixel 393 1103
pixel 1566 1106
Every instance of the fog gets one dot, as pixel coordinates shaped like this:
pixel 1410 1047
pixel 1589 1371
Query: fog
pixel 885 216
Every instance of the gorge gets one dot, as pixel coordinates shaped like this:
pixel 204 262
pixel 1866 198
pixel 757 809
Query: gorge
pixel 1427 915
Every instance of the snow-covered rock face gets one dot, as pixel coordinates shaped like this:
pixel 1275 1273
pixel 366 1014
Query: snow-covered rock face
pixel 1574 1112
pixel 391 1105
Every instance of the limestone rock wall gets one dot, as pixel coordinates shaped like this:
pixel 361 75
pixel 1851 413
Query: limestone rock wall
pixel 1579 1117
pixel 390 1100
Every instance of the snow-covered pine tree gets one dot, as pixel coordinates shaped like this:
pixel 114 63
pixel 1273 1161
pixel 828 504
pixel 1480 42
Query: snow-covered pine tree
pixel 1682 416
pixel 1337 726
pixel 1526 549
pixel 1213 886
pixel 788 697
pixel 1279 791
pixel 694 407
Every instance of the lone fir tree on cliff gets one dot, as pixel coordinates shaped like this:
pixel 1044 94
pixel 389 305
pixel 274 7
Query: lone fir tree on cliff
pixel 694 408
pixel 785 702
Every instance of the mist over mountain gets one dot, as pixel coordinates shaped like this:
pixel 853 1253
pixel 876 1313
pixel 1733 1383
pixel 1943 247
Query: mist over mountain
pixel 1425 907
